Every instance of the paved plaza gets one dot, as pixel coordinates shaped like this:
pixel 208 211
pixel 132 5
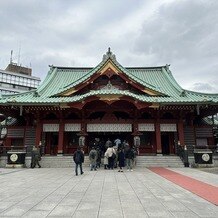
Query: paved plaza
pixel 104 193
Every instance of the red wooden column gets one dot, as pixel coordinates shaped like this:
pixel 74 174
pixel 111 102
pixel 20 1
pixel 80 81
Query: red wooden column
pixel 38 132
pixel 61 137
pixel 158 137
pixel 181 132
pixel 83 131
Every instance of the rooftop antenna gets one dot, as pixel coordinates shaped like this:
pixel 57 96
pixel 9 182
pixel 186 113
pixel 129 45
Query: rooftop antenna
pixel 18 61
pixel 11 57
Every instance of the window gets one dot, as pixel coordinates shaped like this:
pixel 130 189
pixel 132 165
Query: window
pixel 8 78
pixel 146 139
pixel 6 85
pixel 17 79
pixel 12 78
pixel 201 142
pixel 4 78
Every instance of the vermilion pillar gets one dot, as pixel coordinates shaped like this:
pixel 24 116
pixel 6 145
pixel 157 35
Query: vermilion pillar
pixel 158 137
pixel 38 132
pixel 61 137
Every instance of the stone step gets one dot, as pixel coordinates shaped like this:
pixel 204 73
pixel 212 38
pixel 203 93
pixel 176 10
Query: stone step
pixel 141 161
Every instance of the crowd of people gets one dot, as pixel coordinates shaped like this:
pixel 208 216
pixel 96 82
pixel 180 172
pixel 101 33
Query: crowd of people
pixel 115 154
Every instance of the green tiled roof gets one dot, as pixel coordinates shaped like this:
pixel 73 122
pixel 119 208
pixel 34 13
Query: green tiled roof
pixel 29 98
pixel 158 79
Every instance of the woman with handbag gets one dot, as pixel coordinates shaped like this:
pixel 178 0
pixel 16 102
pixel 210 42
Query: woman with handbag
pixel 111 153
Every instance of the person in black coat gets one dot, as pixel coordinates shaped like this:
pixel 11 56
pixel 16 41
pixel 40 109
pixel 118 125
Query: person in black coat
pixel 121 159
pixel 78 158
pixel 129 155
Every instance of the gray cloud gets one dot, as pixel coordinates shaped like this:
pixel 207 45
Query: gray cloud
pixel 183 33
pixel 141 33
pixel 203 86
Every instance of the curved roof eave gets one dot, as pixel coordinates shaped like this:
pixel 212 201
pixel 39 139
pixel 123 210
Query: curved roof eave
pixel 50 76
pixel 34 100
pixel 201 93
pixel 79 80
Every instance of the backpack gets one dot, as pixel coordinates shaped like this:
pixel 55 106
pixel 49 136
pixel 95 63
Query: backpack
pixel 92 155
pixel 77 157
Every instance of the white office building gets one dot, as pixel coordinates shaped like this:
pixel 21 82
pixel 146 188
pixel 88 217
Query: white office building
pixel 17 79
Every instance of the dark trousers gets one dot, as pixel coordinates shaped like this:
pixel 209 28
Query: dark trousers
pixel 110 163
pixel 76 168
pixel 35 162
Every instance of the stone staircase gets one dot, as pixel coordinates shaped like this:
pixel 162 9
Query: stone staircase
pixel 159 161
pixel 30 138
pixel 60 161
pixel 141 161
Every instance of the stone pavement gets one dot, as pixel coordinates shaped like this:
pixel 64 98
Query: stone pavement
pixel 53 192
pixel 210 170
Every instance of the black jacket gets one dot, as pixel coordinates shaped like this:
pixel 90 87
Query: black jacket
pixel 78 157
pixel 129 154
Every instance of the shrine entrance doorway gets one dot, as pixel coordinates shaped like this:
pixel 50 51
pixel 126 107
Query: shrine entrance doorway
pixel 100 132
pixel 167 143
pixel 98 139
pixel 51 143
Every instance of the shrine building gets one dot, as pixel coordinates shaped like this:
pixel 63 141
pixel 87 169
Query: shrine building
pixel 77 105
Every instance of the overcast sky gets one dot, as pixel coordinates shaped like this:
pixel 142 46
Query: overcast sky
pixel 182 33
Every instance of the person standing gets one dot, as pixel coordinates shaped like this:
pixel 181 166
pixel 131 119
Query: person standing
pixel 135 152
pixel 121 159
pixel 117 143
pixel 111 154
pixel 105 161
pixel 108 144
pixel 98 161
pixel 93 155
pixel 35 157
pixel 78 158
pixel 1 147
pixel 129 155
pixel 125 145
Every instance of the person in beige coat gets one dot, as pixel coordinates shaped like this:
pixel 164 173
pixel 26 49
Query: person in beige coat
pixel 111 154
pixel 93 158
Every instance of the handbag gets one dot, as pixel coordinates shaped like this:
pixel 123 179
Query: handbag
pixel 113 156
